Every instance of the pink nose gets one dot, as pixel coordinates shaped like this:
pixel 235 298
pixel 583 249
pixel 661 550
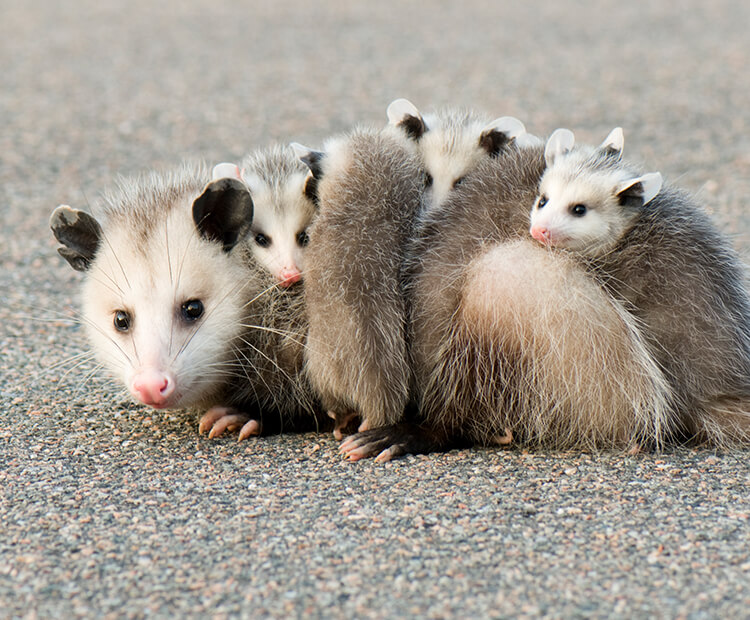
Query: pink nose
pixel 153 387
pixel 287 277
pixel 540 233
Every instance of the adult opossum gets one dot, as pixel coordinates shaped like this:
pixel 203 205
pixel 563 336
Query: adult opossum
pixel 175 306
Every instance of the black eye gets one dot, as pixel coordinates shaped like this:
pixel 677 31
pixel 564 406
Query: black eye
pixel 122 321
pixel 578 210
pixel 458 181
pixel 192 310
pixel 262 240
pixel 542 202
pixel 427 179
pixel 302 238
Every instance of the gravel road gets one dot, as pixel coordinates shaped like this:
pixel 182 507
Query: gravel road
pixel 112 510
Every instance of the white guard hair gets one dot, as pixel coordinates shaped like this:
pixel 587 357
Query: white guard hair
pixel 560 142
pixel 400 109
pixel 226 170
pixel 651 184
pixel 615 141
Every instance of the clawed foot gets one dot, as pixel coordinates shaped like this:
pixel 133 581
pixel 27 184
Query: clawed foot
pixel 219 419
pixel 389 442
pixel 341 422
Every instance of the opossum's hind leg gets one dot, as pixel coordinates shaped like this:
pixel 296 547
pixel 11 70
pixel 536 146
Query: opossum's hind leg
pixel 219 419
pixel 344 423
pixel 388 442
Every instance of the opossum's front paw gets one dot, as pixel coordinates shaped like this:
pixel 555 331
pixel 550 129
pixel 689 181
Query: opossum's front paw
pixel 389 442
pixel 219 419
pixel 343 422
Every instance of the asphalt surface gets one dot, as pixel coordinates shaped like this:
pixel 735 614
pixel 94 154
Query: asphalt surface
pixel 108 509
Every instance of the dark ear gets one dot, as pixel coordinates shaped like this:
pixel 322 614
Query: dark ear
pixel 403 113
pixel 224 212
pixel 499 133
pixel 312 159
pixel 311 188
pixel 640 190
pixel 79 233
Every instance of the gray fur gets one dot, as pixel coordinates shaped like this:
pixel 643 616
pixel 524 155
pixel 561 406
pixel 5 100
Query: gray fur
pixel 681 279
pixel 368 194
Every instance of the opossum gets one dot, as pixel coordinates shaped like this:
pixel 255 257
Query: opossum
pixel 656 250
pixel 511 342
pixel 175 306
pixel 368 190
pixel 277 181
pixel 451 142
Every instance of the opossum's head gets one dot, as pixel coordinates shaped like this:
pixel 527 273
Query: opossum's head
pixel 163 298
pixel 283 212
pixel 588 199
pixel 452 142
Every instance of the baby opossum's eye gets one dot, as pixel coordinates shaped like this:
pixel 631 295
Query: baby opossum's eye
pixel 192 310
pixel 427 179
pixel 262 240
pixel 302 238
pixel 578 210
pixel 458 181
pixel 122 321
pixel 542 201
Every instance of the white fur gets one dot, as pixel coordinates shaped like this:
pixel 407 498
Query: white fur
pixel 150 279
pixel 574 179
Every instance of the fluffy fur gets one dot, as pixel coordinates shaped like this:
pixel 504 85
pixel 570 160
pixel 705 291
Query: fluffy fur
pixel 368 190
pixel 679 277
pixel 244 351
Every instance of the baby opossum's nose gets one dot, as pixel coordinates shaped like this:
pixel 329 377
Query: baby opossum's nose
pixel 153 387
pixel 540 233
pixel 287 277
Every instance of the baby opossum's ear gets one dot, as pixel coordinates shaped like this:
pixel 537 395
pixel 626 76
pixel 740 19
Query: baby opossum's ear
pixel 559 143
pixel 499 133
pixel 311 158
pixel 614 143
pixel 226 171
pixel 79 233
pixel 224 212
pixel 643 188
pixel 403 113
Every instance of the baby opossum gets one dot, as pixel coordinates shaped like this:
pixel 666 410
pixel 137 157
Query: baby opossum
pixel 511 342
pixel 175 306
pixel 658 252
pixel 368 186
pixel 451 142
pixel 283 210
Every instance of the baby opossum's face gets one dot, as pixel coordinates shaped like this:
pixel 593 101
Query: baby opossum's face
pixel 581 214
pixel 448 154
pixel 279 231
pixel 163 310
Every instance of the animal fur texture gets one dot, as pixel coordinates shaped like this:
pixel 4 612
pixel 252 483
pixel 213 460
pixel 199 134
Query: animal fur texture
pixel 165 242
pixel 679 277
pixel 368 190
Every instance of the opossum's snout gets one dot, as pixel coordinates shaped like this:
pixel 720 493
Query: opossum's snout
pixel 153 387
pixel 288 276
pixel 541 233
